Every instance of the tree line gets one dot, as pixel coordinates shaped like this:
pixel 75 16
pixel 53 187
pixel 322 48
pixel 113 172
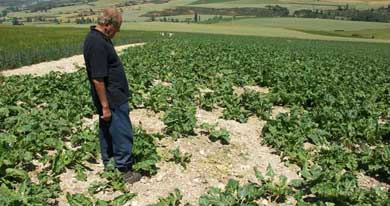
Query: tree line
pixel 268 11
pixel 381 14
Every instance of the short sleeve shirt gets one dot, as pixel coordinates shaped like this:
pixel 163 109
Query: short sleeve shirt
pixel 102 62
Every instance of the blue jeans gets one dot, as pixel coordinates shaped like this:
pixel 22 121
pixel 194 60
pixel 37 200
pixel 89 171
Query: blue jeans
pixel 116 138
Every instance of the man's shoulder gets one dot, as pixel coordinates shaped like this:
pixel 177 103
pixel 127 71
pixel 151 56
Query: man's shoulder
pixel 92 36
pixel 93 40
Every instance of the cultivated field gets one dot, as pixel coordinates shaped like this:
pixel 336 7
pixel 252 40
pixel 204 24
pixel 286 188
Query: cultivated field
pixel 293 5
pixel 282 27
pixel 250 111
pixel 230 28
pixel 29 44
pixel 219 120
pixel 309 24
pixel 325 27
pixel 133 13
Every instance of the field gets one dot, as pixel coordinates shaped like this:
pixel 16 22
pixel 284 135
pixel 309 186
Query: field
pixel 293 5
pixel 335 127
pixel 250 111
pixel 326 27
pixel 230 28
pixel 133 13
pixel 368 33
pixel 309 24
pixel 51 41
pixel 69 10
pixel 130 13
pixel 28 45
pixel 274 27
pixel 322 29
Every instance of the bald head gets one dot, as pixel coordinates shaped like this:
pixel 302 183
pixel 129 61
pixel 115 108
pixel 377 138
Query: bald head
pixel 110 16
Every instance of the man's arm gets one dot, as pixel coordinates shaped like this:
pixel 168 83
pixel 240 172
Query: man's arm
pixel 101 92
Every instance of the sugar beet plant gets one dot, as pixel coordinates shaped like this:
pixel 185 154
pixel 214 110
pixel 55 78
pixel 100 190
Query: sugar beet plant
pixel 41 124
pixel 338 93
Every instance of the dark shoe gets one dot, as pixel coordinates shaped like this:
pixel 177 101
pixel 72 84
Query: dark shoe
pixel 131 177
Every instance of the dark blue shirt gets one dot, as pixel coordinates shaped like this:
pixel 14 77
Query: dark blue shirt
pixel 102 62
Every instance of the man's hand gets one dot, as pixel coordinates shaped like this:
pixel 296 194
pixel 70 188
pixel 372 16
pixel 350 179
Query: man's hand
pixel 101 92
pixel 106 114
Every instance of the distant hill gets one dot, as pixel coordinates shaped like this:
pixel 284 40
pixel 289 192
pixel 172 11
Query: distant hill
pixel 29 3
pixel 16 2
pixel 75 11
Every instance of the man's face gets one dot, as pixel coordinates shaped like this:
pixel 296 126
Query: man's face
pixel 112 29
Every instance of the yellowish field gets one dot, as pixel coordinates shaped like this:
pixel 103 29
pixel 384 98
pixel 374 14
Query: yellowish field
pixel 70 10
pixel 308 24
pixel 134 13
pixel 237 30
pixel 130 13
pixel 273 27
pixel 293 5
pixel 248 30
pixel 367 33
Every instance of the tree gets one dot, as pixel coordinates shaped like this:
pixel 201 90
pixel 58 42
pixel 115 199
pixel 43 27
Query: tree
pixel 195 17
pixel 15 21
pixel 4 13
pixel 57 21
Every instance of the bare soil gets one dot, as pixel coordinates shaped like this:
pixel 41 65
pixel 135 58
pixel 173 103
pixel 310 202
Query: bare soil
pixel 212 164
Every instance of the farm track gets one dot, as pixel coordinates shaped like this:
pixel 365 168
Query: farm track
pixel 66 65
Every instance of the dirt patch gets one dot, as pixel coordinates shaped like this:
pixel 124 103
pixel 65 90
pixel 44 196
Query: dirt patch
pixel 166 84
pixel 212 164
pixel 89 122
pixel 365 181
pixel 278 110
pixel 66 65
pixel 381 120
pixel 241 90
pixel 148 120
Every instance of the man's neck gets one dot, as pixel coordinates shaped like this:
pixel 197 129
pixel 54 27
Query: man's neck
pixel 101 30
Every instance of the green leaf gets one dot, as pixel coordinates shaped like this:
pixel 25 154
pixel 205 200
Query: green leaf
pixel 17 173
pixel 123 199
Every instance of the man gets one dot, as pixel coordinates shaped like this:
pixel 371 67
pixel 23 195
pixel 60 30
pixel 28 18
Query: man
pixel 110 93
